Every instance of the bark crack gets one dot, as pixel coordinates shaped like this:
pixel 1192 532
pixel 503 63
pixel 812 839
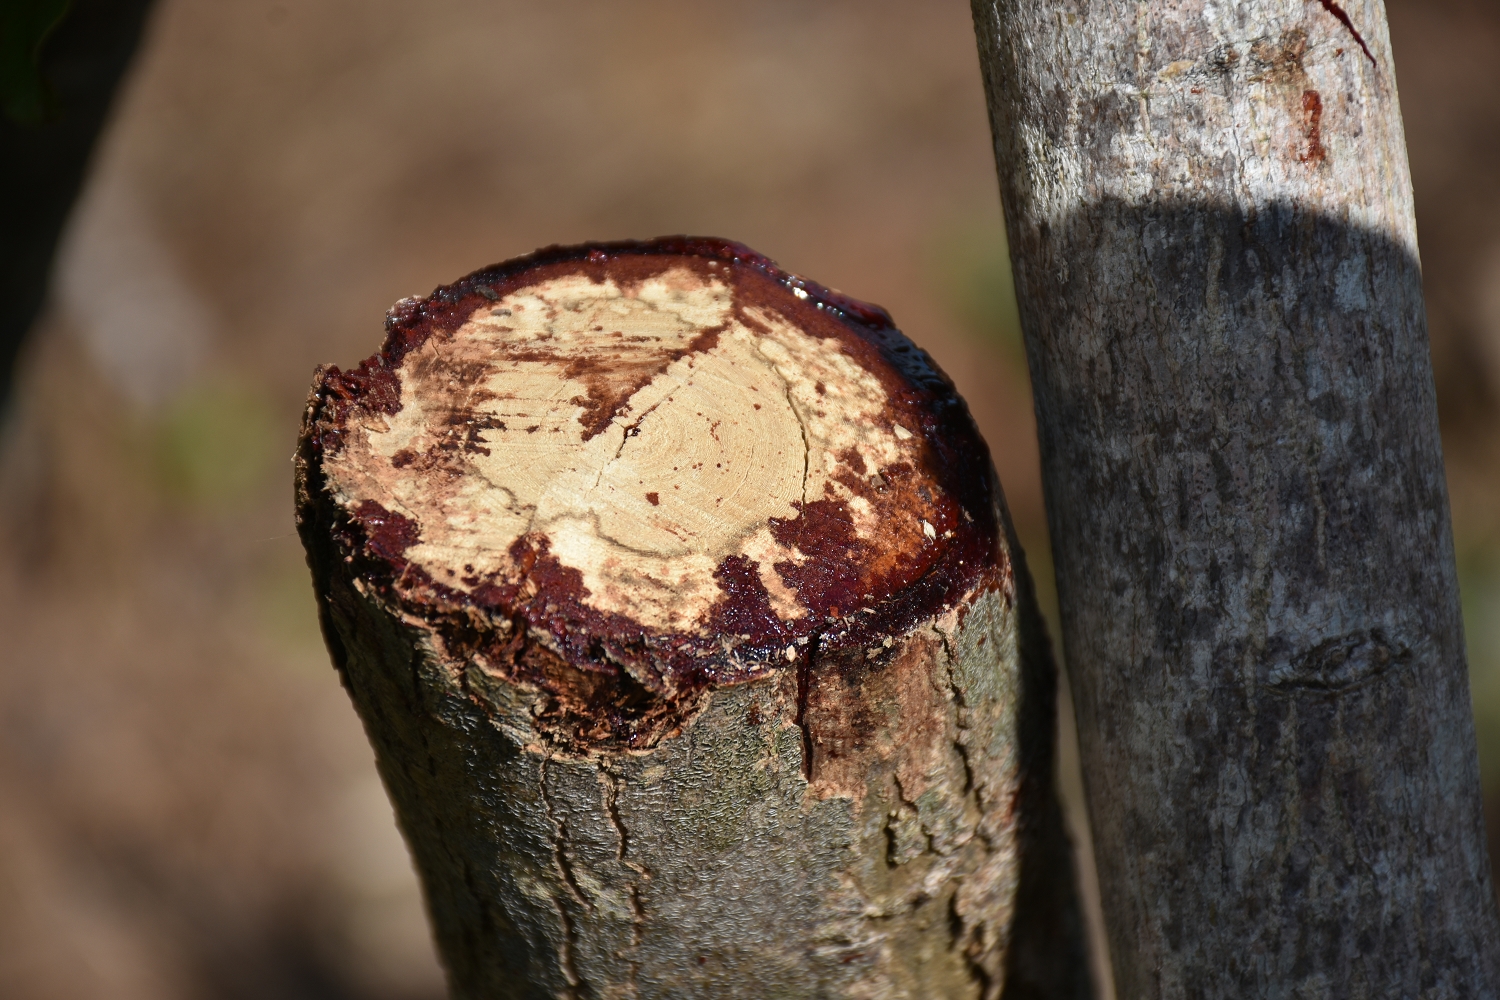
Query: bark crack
pixel 804 672
pixel 894 848
pixel 609 785
pixel 560 842
pixel 565 951
pixel 970 938
pixel 568 947
pixel 960 722
pixel 416 704
pixel 1343 18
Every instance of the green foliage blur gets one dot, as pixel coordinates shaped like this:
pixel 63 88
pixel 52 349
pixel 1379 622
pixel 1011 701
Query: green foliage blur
pixel 214 447
pixel 970 268
pixel 1479 587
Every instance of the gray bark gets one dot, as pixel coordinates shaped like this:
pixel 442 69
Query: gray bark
pixel 1210 218
pixel 704 868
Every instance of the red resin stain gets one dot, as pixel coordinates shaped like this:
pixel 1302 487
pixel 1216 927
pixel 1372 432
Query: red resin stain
pixel 1343 18
pixel 610 679
pixel 1312 127
pixel 387 534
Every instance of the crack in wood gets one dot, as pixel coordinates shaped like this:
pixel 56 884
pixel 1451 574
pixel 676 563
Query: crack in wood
pixel 609 785
pixel 565 872
pixel 630 432
pixel 1343 18
pixel 801 427
pixel 804 671
pixel 560 840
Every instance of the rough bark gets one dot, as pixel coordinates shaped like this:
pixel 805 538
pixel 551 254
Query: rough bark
pixel 1210 217
pixel 680 605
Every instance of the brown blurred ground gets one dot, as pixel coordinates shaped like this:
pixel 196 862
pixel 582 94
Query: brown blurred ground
pixel 187 805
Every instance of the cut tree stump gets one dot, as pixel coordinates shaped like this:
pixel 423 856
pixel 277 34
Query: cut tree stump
pixel 680 603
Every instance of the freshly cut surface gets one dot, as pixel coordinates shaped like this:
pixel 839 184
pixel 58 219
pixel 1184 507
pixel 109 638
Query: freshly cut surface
pixel 668 462
pixel 676 597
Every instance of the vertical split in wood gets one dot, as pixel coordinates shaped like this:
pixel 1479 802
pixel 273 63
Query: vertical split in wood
pixel 680 604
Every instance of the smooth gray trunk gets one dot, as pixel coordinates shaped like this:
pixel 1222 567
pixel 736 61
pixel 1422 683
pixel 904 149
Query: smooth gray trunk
pixel 1210 216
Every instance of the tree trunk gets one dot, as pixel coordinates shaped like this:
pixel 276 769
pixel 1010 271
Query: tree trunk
pixel 681 607
pixel 1215 255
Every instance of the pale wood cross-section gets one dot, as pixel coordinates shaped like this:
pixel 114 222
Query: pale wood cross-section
pixel 646 431
pixel 681 606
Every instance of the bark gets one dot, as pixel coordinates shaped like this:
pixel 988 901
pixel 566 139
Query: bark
pixel 680 605
pixel 1211 223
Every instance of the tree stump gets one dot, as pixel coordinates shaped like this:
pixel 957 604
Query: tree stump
pixel 681 606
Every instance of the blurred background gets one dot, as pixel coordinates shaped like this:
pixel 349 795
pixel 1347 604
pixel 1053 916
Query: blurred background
pixel 188 807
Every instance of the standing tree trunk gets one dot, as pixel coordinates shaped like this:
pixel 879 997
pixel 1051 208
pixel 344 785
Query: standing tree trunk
pixel 680 605
pixel 1216 259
